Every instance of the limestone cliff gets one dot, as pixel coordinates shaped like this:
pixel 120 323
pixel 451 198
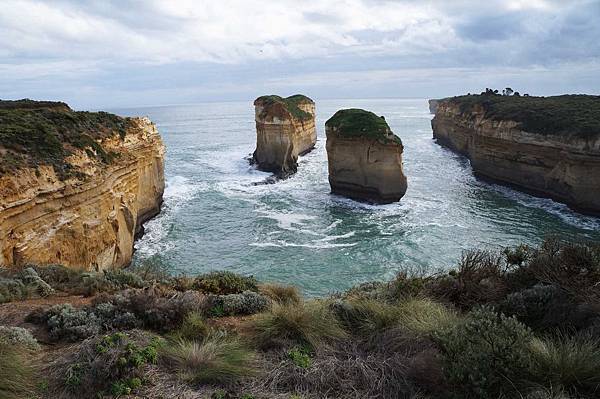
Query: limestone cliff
pixel 547 146
pixel 433 104
pixel 75 187
pixel 365 157
pixel 285 130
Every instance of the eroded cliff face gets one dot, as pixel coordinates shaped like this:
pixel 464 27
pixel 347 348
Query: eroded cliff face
pixel 365 166
pixel 564 167
pixel 89 218
pixel 285 130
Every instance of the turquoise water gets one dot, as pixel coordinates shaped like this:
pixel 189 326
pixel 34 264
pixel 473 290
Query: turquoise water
pixel 295 231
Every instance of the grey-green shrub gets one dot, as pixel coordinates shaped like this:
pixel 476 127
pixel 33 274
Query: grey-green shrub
pixel 70 324
pixel 224 282
pixel 244 303
pixel 485 354
pixel 18 336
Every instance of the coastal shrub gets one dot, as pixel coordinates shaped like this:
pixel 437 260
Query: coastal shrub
pixel 157 309
pixel 108 365
pixel 17 375
pixel 546 306
pixel 30 278
pixel 479 279
pixel 366 316
pixel 485 354
pixel 218 358
pixel 311 323
pixel 18 336
pixel 281 293
pixel 574 267
pixel 244 303
pixel 12 290
pixel 570 362
pixel 224 282
pixel 424 316
pixel 64 322
pixel 406 285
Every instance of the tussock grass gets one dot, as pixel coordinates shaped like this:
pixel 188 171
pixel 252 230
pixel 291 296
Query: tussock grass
pixel 285 294
pixel 16 373
pixel 216 359
pixel 193 328
pixel 424 316
pixel 569 362
pixel 367 316
pixel 310 323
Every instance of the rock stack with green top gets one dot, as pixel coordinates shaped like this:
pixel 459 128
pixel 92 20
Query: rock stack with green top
pixel 365 157
pixel 285 129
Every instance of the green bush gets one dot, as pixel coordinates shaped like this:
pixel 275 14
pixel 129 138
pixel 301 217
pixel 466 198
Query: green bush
pixel 111 364
pixel 571 363
pixel 311 323
pixel 219 359
pixel 12 290
pixel 300 356
pixel 224 282
pixel 486 354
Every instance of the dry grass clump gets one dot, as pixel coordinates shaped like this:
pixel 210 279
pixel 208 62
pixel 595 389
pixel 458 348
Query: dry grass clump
pixel 311 323
pixel 17 375
pixel 343 374
pixel 284 294
pixel 218 358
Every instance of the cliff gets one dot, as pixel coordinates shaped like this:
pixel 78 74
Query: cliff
pixel 365 157
pixel 285 130
pixel 546 146
pixel 433 104
pixel 75 187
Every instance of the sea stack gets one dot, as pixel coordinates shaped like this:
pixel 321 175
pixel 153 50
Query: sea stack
pixel 365 157
pixel 285 130
pixel 75 187
pixel 545 146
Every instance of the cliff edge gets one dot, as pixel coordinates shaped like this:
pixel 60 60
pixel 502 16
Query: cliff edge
pixel 285 130
pixel 75 187
pixel 546 146
pixel 365 157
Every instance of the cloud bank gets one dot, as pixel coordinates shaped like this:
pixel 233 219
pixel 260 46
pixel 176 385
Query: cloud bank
pixel 127 52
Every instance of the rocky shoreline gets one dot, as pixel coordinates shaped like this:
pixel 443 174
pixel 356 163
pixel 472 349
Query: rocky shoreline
pixel 81 200
pixel 521 142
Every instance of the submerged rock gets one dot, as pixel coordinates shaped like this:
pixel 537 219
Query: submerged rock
pixel 365 157
pixel 285 130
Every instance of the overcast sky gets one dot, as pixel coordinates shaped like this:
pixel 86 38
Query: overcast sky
pixel 117 53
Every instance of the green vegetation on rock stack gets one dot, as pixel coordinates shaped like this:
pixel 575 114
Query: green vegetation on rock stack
pixel 356 122
pixel 36 133
pixel 557 115
pixel 290 103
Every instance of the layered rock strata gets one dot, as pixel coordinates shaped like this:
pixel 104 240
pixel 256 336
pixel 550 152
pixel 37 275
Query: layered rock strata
pixel 78 185
pixel 285 130
pixel 365 157
pixel 546 146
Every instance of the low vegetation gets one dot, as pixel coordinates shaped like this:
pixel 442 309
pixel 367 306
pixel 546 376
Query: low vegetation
pixel 44 133
pixel 555 115
pixel 356 122
pixel 289 103
pixel 522 323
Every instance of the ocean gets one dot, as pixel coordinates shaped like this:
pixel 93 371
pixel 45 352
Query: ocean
pixel 215 218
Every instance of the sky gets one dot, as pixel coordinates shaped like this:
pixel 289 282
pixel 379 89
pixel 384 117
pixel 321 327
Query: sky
pixel 127 53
